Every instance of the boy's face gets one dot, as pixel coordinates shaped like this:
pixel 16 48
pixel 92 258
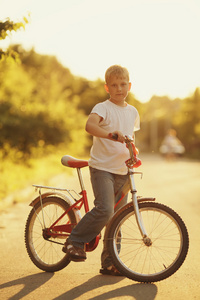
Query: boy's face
pixel 118 89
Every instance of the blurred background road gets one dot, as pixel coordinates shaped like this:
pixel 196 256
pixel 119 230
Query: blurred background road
pixel 175 184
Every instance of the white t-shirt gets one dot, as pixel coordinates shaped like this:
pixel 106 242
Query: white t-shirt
pixel 110 155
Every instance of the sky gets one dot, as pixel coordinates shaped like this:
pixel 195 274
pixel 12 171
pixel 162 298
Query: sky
pixel 158 41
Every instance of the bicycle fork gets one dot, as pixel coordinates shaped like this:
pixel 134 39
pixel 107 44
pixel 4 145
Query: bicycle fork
pixel 147 241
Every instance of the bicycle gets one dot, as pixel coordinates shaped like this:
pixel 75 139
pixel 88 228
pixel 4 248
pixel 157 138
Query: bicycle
pixel 148 241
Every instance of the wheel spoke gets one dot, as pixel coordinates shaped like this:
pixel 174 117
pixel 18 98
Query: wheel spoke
pixel 148 263
pixel 46 252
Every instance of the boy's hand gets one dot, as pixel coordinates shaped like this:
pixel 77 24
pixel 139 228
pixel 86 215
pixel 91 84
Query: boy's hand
pixel 117 136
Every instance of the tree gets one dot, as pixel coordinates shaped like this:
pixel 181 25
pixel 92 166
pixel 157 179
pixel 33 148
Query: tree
pixel 38 110
pixel 187 120
pixel 7 27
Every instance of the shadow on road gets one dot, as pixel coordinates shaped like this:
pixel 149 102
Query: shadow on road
pixel 139 291
pixel 30 284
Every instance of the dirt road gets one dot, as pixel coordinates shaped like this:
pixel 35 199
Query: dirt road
pixel 176 184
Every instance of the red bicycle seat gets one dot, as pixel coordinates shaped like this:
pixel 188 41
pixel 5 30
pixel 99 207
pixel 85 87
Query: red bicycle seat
pixel 72 162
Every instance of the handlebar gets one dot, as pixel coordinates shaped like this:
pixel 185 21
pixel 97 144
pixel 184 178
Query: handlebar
pixel 133 161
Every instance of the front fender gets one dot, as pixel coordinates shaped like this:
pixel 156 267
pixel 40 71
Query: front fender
pixel 59 195
pixel 140 199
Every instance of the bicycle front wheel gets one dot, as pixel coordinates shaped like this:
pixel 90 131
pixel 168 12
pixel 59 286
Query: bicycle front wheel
pixel 46 252
pixel 155 261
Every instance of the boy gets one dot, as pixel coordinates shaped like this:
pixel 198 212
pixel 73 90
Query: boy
pixel 107 163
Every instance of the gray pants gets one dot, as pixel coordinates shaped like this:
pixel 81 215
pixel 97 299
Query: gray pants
pixel 104 185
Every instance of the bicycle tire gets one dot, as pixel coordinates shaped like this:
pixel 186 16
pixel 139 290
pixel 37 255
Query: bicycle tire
pixel 44 253
pixel 169 236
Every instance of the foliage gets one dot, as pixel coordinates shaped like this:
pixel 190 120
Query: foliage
pixel 43 105
pixel 188 122
pixel 37 107
pixel 6 27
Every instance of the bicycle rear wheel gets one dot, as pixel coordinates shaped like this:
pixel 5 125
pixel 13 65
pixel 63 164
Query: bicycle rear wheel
pixel 46 252
pixel 147 263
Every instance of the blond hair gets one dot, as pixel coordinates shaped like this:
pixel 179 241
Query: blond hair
pixel 118 71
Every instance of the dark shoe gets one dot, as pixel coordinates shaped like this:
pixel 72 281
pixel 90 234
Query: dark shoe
pixel 110 271
pixel 75 253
